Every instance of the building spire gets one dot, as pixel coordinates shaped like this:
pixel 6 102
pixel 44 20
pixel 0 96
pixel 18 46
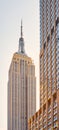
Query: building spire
pixel 21 29
pixel 21 42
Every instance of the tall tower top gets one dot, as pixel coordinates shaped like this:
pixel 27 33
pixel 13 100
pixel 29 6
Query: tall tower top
pixel 21 42
pixel 21 29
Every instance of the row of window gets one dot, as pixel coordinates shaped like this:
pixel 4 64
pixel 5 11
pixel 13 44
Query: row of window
pixel 45 17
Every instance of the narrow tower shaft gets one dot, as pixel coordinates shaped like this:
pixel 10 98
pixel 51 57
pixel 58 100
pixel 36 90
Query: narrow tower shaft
pixel 21 42
pixel 21 30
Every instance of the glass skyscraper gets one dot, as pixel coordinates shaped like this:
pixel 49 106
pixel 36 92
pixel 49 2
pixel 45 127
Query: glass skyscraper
pixel 49 61
pixel 49 48
pixel 47 118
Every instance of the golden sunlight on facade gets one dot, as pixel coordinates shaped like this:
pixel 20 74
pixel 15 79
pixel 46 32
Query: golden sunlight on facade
pixel 47 118
pixel 21 89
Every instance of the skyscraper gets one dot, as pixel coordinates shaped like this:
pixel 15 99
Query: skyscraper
pixel 47 118
pixel 49 61
pixel 21 89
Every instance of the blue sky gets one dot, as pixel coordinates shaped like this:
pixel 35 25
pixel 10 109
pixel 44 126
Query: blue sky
pixel 11 13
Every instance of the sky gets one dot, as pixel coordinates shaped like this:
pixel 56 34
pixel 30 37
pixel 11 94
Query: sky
pixel 11 13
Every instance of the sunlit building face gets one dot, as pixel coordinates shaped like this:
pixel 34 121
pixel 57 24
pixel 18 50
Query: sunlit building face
pixel 49 62
pixel 47 118
pixel 21 89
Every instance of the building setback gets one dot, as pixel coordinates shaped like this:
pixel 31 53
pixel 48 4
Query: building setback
pixel 21 89
pixel 47 118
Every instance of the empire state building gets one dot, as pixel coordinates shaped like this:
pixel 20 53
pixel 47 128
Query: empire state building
pixel 21 89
